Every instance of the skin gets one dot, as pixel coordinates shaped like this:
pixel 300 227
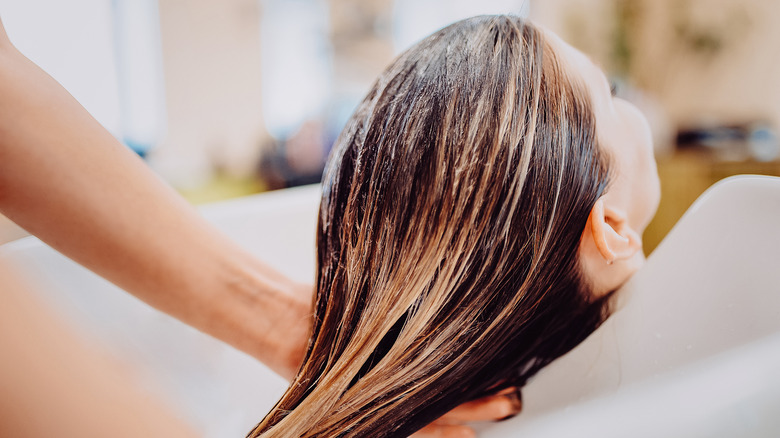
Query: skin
pixel 90 395
pixel 69 182
pixel 65 179
pixel 611 244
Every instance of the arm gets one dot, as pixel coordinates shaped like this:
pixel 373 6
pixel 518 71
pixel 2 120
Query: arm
pixel 53 384
pixel 68 181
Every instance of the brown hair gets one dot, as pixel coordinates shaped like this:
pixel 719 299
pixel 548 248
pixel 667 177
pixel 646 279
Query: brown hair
pixel 449 227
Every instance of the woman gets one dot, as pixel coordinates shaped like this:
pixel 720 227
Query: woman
pixel 497 220
pixel 478 210
pixel 64 178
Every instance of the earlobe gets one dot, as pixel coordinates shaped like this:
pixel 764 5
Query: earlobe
pixel 612 235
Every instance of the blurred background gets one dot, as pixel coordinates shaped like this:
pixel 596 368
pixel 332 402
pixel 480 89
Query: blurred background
pixel 226 98
pixel 232 97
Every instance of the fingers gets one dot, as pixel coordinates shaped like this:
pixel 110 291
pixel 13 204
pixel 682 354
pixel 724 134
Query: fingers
pixel 503 405
pixel 437 430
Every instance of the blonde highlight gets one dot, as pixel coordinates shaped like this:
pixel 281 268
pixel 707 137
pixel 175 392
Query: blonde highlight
pixel 450 219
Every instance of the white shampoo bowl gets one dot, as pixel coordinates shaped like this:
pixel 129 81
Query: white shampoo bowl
pixel 693 351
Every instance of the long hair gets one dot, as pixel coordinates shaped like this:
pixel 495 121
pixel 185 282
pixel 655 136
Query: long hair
pixel 451 215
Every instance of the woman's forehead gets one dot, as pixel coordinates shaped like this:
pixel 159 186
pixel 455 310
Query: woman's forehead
pixel 574 61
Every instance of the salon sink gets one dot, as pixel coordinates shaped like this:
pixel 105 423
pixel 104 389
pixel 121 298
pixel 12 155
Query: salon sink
pixel 694 349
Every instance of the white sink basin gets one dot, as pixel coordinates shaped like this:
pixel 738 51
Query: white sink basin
pixel 694 350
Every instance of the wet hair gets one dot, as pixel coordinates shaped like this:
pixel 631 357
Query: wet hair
pixel 452 209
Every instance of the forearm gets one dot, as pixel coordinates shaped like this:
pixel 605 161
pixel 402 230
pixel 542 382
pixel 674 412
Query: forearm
pixel 55 384
pixel 68 181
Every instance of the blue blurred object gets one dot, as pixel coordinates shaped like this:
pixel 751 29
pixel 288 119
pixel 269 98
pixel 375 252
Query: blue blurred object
pixel 138 57
pixel 733 142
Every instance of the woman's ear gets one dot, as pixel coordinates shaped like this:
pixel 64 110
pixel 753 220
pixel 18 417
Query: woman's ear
pixel 613 236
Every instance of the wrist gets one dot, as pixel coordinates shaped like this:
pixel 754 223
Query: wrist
pixel 269 316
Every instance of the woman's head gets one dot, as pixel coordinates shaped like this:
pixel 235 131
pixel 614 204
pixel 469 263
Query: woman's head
pixel 449 235
pixel 610 250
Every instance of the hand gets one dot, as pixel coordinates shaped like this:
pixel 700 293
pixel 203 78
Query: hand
pixel 501 406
